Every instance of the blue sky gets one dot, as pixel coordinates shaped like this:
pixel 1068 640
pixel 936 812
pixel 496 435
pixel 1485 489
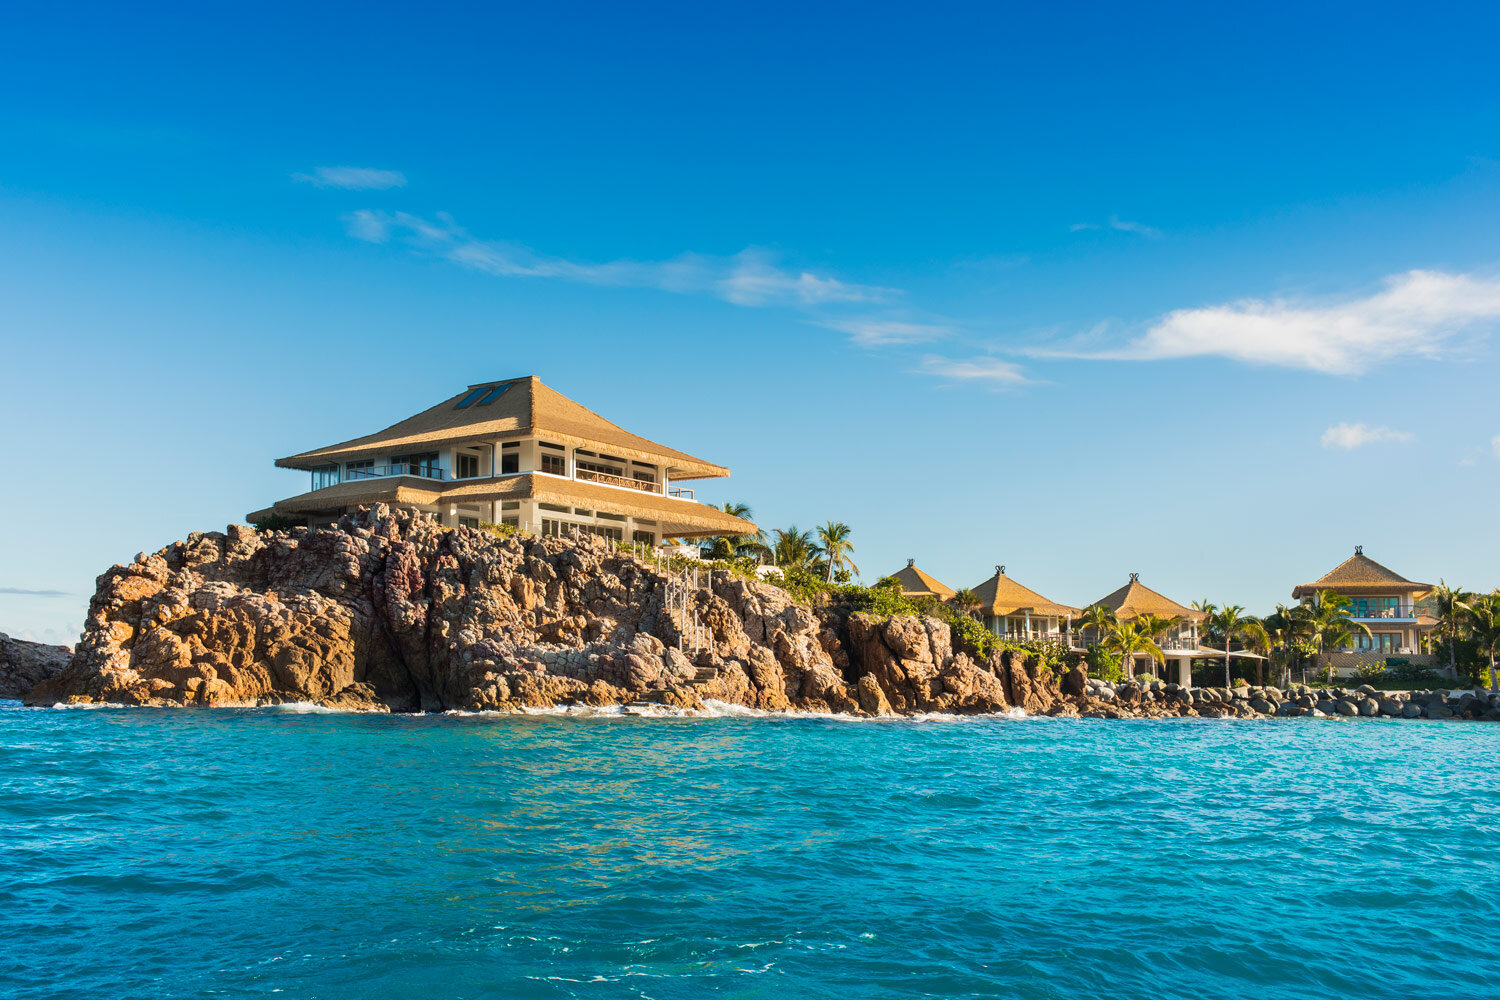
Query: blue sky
pixel 1206 295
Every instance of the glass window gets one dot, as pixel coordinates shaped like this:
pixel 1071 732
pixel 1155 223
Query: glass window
pixel 468 400
pixel 493 394
pixel 324 477
pixel 644 538
pixel 510 462
pixel 555 464
pixel 362 469
pixel 465 466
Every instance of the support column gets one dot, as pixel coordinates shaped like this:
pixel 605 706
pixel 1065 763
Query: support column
pixel 1184 671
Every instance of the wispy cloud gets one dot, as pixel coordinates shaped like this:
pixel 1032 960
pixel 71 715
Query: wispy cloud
pixel 353 178
pixel 874 331
pixel 1349 436
pixel 1119 224
pixel 1495 445
pixel 22 592
pixel 1416 314
pixel 752 277
pixel 984 369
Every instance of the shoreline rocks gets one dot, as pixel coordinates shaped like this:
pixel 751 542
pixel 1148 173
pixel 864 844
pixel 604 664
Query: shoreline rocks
pixel 388 611
pixel 25 664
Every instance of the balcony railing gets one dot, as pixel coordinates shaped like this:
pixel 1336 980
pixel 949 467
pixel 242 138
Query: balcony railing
pixel 381 471
pixel 1374 614
pixel 590 476
pixel 679 493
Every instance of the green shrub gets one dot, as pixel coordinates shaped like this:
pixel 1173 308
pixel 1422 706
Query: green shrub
pixel 1104 665
pixel 274 523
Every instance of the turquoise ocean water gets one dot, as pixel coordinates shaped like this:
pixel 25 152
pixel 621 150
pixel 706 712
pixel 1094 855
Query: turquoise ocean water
pixel 245 853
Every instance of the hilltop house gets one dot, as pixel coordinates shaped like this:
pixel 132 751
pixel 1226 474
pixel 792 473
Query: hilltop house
pixel 1179 642
pixel 1016 612
pixel 513 452
pixel 1383 601
pixel 916 584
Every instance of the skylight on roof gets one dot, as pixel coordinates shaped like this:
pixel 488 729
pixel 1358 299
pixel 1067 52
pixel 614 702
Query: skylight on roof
pixel 469 399
pixel 493 394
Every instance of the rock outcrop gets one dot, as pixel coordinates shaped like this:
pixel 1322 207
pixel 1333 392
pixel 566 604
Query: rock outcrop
pixel 389 611
pixel 25 664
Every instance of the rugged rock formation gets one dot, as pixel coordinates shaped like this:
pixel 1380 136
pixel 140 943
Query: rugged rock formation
pixel 24 665
pixel 390 611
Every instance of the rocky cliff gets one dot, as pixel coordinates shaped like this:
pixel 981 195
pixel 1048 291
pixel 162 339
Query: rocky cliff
pixel 390 611
pixel 24 665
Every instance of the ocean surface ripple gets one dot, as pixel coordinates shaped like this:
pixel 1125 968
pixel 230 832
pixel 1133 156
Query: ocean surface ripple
pixel 239 853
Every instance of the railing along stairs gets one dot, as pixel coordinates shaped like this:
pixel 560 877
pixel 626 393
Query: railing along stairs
pixel 693 635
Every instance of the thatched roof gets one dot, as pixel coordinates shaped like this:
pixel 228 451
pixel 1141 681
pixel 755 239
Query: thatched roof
pixel 915 583
pixel 673 517
pixel 1000 596
pixel 1359 574
pixel 523 408
pixel 1136 599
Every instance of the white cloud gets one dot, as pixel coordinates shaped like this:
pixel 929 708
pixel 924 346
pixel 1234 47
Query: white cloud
pixel 1122 225
pixel 981 369
pixel 874 331
pixel 22 592
pixel 1416 314
pixel 353 178
pixel 1495 445
pixel 751 277
pixel 1348 436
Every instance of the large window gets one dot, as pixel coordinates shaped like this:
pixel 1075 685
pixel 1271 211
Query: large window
pixel 465 466
pixel 510 462
pixel 1375 607
pixel 328 475
pixel 363 469
pixel 425 464
pixel 555 464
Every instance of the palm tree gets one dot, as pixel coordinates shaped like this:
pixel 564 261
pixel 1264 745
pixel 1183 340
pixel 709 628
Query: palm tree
pixel 1227 622
pixel 1485 611
pixel 1453 612
pixel 966 601
pixel 834 536
pixel 728 546
pixel 1154 625
pixel 793 548
pixel 1284 626
pixel 1099 618
pixel 1257 641
pixel 1329 625
pixel 1129 639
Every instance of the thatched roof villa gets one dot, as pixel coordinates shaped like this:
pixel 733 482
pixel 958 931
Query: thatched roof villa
pixel 1009 609
pixel 513 452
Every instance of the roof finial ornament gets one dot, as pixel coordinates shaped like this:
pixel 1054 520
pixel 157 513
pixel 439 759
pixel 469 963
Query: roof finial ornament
pixel 1135 578
pixel 999 570
pixel 911 562
pixel 1359 550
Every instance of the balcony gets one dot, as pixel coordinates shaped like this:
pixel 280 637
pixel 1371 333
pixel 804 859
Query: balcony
pixel 608 479
pixel 1383 614
pixel 381 471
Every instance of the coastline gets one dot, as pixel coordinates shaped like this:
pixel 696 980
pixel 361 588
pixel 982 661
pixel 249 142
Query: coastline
pixel 388 612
